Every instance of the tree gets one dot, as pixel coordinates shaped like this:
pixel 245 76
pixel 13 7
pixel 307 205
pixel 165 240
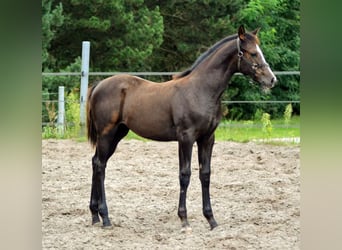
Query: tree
pixel 279 21
pixel 279 35
pixel 122 34
pixel 138 35
pixel 191 27
pixel 51 20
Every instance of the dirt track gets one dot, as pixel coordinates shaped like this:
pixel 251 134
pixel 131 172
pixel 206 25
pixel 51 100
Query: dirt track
pixel 254 189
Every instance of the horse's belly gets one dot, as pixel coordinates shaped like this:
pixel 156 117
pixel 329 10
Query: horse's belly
pixel 153 125
pixel 154 132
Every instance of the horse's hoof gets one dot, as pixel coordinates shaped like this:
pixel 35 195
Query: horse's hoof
pixel 186 230
pixel 96 224
pixel 95 221
pixel 107 226
pixel 213 225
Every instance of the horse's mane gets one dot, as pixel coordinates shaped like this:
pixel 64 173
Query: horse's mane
pixel 204 55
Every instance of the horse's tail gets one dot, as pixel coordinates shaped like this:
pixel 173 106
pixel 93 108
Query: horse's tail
pixel 91 129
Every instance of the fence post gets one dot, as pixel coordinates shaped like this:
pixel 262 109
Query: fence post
pixel 61 111
pixel 84 84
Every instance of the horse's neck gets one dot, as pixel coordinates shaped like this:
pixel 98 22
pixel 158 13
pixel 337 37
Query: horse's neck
pixel 215 72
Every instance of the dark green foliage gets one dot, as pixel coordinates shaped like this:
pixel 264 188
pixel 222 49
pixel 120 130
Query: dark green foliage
pixel 51 20
pixel 279 34
pixel 138 35
pixel 191 27
pixel 122 34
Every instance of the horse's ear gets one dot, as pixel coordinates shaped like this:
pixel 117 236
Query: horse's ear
pixel 256 31
pixel 241 32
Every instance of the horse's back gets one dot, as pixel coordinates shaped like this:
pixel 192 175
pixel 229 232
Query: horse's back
pixel 118 82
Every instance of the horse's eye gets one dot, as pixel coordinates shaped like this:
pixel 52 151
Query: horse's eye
pixel 254 54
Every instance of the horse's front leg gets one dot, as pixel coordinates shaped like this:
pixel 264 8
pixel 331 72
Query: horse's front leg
pixel 184 152
pixel 205 147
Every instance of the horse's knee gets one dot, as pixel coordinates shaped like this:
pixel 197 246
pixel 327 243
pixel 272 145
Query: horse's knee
pixel 185 172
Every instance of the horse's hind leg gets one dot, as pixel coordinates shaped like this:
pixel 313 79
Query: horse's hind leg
pixel 105 148
pixel 205 147
pixel 94 193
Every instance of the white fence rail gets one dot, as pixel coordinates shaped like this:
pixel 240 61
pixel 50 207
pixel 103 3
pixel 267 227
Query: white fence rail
pixel 143 73
pixel 84 74
pixel 61 101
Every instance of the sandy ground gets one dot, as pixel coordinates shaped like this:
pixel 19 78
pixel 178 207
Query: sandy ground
pixel 255 194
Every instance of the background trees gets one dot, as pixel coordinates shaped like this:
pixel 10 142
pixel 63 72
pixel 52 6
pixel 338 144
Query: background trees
pixel 169 35
pixel 190 28
pixel 51 20
pixel 122 33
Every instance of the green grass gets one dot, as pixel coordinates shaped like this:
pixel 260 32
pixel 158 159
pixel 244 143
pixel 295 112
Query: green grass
pixel 244 131
pixel 133 136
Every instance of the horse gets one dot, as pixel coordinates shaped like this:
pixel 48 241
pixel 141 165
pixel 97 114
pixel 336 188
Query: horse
pixel 185 109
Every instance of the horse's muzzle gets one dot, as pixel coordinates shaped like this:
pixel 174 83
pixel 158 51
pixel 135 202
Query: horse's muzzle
pixel 273 82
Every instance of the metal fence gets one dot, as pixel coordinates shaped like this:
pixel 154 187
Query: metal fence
pixel 143 73
pixel 59 97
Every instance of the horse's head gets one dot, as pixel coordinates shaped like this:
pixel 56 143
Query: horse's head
pixel 251 60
